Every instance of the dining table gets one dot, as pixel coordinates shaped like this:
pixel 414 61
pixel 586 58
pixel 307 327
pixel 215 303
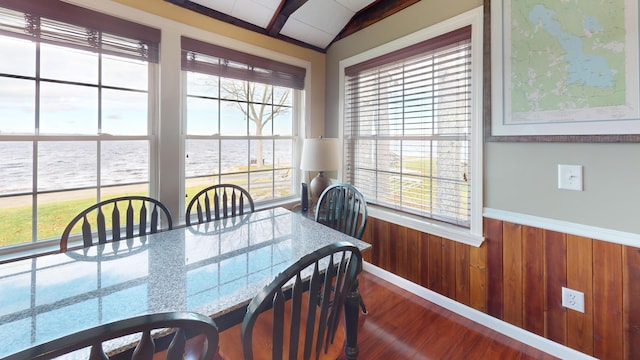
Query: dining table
pixel 214 268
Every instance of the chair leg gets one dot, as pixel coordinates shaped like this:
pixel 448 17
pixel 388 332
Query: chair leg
pixel 363 307
pixel 351 312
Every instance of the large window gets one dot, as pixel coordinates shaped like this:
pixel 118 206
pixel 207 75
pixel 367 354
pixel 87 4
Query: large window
pixel 75 119
pixel 409 128
pixel 241 120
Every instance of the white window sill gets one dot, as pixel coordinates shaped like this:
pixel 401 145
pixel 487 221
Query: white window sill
pixel 25 251
pixel 433 227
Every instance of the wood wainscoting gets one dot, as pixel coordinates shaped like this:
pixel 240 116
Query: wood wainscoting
pixel 517 276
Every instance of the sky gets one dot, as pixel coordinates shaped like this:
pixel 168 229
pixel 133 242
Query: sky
pixel 72 108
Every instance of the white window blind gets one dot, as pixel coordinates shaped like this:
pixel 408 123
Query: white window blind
pixel 407 128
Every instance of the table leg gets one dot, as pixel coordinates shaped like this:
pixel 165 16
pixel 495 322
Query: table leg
pixel 351 315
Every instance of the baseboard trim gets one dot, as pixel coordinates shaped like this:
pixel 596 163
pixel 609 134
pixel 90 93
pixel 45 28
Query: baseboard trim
pixel 495 324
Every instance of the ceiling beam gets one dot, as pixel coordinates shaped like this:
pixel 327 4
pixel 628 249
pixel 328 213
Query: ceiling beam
pixel 243 24
pixel 371 14
pixel 286 8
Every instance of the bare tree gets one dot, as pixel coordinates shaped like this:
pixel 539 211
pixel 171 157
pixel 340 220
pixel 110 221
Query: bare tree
pixel 258 102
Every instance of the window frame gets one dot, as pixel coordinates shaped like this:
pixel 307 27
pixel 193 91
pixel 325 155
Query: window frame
pixel 277 74
pixel 101 23
pixel 166 179
pixel 473 235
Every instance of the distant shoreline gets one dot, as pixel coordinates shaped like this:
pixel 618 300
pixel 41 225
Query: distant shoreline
pixel 26 200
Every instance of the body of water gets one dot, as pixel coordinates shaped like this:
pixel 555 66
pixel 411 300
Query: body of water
pixel 67 165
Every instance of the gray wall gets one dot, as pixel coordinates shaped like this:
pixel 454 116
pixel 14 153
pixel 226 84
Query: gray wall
pixel 523 178
pixel 519 177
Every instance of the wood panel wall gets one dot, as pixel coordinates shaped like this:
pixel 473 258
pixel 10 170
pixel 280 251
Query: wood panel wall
pixel 517 276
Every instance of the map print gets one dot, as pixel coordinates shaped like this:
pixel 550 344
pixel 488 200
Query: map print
pixel 569 60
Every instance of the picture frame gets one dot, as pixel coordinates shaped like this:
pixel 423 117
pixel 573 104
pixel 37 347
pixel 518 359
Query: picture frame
pixel 544 85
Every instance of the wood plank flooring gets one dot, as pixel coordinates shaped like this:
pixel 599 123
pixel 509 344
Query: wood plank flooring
pixel 401 325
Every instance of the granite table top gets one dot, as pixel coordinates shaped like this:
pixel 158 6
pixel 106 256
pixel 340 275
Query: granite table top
pixel 211 268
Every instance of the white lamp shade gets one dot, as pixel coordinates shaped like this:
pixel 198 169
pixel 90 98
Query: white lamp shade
pixel 320 154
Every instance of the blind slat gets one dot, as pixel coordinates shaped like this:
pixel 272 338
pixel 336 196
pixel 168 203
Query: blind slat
pixel 59 23
pixel 439 42
pixel 216 60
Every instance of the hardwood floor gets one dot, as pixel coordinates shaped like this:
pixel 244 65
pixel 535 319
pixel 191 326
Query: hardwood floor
pixel 401 325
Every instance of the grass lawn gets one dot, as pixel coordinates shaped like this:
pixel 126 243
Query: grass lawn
pixel 53 217
pixel 15 226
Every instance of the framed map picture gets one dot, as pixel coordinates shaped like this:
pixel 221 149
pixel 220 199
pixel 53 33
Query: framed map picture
pixel 565 68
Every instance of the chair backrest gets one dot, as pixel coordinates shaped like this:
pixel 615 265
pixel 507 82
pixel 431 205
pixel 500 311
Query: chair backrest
pixel 134 210
pixel 329 274
pixel 343 208
pixel 219 202
pixel 186 324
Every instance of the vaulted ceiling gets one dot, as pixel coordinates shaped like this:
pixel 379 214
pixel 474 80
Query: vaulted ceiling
pixel 314 24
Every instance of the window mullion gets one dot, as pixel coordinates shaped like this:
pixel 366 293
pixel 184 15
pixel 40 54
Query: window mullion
pixel 34 177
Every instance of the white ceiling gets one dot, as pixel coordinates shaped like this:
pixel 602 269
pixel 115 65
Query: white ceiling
pixel 317 22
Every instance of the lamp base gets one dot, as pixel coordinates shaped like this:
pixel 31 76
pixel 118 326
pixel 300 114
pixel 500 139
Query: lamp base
pixel 304 197
pixel 317 186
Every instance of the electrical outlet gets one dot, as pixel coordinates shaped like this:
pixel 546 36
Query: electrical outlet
pixel 573 299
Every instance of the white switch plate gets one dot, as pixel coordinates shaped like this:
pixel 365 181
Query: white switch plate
pixel 570 177
pixel 573 299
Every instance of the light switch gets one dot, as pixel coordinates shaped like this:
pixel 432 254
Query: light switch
pixel 570 177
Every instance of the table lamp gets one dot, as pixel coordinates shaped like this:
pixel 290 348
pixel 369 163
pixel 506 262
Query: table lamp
pixel 319 154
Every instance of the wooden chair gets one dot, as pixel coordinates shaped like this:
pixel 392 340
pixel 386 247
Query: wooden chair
pixel 343 208
pixel 219 202
pixel 135 209
pixel 186 324
pixel 332 273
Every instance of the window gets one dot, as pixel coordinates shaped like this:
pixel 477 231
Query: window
pixel 410 128
pixel 75 124
pixel 241 120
